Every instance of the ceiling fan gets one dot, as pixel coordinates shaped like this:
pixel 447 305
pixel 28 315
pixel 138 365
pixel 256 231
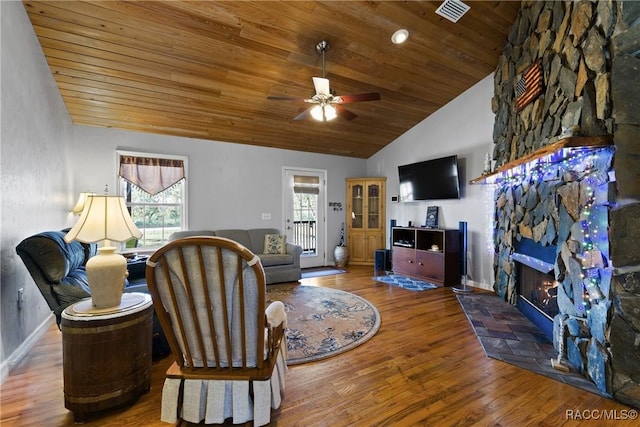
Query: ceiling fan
pixel 327 103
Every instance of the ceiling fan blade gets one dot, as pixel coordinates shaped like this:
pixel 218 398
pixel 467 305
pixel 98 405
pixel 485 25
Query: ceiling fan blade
pixel 306 113
pixel 348 99
pixel 322 86
pixel 285 98
pixel 344 113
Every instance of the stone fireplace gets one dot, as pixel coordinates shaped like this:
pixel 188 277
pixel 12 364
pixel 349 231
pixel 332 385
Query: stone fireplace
pixel 567 184
pixel 553 245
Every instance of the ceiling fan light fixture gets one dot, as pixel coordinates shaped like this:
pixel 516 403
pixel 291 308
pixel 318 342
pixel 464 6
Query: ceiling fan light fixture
pixel 324 99
pixel 316 113
pixel 400 36
pixel 324 113
pixel 330 112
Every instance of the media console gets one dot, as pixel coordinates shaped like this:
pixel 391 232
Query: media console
pixel 429 254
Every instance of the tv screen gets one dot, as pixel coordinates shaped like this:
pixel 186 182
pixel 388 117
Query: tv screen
pixel 430 180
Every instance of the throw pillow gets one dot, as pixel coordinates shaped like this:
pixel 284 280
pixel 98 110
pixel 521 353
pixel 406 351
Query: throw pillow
pixel 275 244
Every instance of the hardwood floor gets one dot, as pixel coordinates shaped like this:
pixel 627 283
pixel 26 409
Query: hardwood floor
pixel 425 366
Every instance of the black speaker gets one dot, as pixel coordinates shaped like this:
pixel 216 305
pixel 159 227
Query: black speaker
pixel 387 260
pixel 392 223
pixel 380 259
pixel 462 228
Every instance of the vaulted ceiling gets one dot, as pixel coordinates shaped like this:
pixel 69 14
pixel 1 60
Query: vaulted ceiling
pixel 205 69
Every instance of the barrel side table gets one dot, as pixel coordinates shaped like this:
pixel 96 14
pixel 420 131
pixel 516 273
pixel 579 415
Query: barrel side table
pixel 106 354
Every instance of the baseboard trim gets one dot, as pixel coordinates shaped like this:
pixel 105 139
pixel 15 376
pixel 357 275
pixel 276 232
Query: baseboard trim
pixel 23 349
pixel 479 285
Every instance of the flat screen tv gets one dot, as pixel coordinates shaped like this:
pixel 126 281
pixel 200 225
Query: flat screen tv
pixel 430 180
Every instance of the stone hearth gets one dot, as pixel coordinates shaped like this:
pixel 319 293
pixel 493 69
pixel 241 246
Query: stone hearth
pixel 505 334
pixel 586 205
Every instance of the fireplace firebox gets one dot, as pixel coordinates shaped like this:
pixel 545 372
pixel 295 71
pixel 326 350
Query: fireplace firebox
pixel 538 289
pixel 535 285
pixel 537 297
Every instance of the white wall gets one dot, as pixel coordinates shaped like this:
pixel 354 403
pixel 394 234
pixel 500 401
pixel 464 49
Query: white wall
pixel 230 185
pixel 463 127
pixel 35 170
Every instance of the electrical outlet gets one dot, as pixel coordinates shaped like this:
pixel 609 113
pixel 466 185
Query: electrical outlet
pixel 20 297
pixel 266 216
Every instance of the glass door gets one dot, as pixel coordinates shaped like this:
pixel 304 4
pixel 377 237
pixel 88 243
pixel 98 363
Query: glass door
pixel 373 206
pixel 304 214
pixel 357 207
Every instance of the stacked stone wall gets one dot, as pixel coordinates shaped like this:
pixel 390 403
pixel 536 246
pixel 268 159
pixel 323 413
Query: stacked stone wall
pixel 571 39
pixel 624 328
pixel 590 53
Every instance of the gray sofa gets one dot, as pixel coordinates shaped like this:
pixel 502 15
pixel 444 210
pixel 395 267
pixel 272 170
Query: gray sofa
pixel 278 268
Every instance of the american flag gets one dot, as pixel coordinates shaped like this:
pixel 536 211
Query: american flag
pixel 529 87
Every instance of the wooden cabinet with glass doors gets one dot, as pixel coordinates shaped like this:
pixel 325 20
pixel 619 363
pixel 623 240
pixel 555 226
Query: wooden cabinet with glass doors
pixel 365 219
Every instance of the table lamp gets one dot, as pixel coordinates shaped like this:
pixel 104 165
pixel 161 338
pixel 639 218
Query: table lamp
pixel 105 218
pixel 82 199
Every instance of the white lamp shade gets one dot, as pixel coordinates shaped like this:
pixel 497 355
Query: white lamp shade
pixel 82 199
pixel 316 113
pixel 324 112
pixel 104 218
pixel 330 112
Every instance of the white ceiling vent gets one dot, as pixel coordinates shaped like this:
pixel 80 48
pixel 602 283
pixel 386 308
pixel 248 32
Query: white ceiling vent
pixel 452 10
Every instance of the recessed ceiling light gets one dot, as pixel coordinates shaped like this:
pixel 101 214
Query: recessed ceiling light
pixel 400 36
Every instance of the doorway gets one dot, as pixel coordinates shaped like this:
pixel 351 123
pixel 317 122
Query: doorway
pixel 304 213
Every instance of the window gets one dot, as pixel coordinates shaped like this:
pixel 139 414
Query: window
pixel 154 188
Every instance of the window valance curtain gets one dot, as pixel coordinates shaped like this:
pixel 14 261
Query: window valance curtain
pixel 306 184
pixel 152 175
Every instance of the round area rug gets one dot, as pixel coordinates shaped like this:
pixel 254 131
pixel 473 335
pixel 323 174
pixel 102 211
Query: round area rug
pixel 323 322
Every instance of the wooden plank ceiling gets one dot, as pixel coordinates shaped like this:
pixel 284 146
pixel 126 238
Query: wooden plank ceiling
pixel 205 69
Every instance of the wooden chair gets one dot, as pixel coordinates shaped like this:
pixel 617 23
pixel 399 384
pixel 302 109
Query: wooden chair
pixel 230 356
